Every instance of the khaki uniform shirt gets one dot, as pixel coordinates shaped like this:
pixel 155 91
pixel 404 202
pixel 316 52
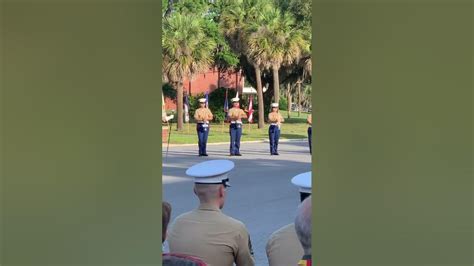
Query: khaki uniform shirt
pixel 309 119
pixel 275 117
pixel 212 236
pixel 203 114
pixel 284 248
pixel 236 114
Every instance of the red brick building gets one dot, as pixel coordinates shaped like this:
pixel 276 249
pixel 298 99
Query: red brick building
pixel 209 81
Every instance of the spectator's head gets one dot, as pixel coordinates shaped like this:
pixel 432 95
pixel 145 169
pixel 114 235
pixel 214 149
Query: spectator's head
pixel 166 207
pixel 210 178
pixel 303 225
pixel 211 194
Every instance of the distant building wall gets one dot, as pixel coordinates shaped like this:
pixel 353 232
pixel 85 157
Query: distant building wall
pixel 209 81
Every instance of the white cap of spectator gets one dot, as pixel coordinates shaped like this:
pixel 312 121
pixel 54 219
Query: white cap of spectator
pixel 211 172
pixel 303 182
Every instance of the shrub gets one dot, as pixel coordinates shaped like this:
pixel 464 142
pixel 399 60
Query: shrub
pixel 283 104
pixel 169 91
pixel 216 103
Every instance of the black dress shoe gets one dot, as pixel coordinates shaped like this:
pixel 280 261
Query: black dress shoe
pixel 276 153
pixel 205 154
pixel 238 154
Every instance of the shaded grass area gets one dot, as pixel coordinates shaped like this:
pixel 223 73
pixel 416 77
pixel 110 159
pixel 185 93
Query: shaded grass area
pixel 293 128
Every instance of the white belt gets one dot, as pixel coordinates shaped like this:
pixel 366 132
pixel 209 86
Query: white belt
pixel 274 124
pixel 236 122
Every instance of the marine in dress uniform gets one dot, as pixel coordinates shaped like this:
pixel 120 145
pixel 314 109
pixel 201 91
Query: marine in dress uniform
pixel 202 116
pixel 283 247
pixel 206 232
pixel 275 119
pixel 309 132
pixel 235 115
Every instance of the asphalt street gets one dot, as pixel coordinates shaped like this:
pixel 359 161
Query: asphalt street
pixel 261 194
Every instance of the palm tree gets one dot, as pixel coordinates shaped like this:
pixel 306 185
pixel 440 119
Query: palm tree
pixel 187 51
pixel 279 42
pixel 289 97
pixel 305 74
pixel 306 96
pixel 259 62
pixel 239 21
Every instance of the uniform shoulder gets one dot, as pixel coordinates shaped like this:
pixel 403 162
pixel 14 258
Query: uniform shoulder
pixel 282 233
pixel 233 222
pixel 184 215
pixel 289 228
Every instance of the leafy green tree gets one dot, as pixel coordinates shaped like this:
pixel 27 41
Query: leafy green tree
pixel 187 51
pixel 224 58
pixel 302 10
pixel 199 7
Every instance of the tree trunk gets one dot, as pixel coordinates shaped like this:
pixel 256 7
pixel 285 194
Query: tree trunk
pixel 169 9
pixel 276 84
pixel 288 97
pixel 299 99
pixel 179 104
pixel 261 115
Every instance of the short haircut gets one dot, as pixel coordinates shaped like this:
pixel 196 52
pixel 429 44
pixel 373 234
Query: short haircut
pixel 166 208
pixel 303 225
pixel 207 192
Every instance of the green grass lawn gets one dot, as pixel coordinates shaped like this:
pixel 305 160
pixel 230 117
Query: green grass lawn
pixel 293 128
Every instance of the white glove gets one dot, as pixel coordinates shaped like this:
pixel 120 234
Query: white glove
pixel 168 118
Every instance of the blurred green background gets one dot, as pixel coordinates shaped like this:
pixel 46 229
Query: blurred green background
pixel 80 133
pixel 393 122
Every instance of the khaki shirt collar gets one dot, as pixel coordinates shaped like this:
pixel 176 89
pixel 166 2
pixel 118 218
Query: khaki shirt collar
pixel 208 207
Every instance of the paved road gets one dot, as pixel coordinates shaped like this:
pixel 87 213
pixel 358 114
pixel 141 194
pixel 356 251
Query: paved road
pixel 261 195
